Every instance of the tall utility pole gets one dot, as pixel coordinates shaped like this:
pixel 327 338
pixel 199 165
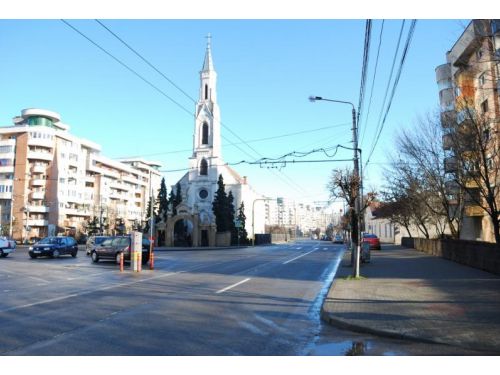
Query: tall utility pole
pixel 151 223
pixel 355 223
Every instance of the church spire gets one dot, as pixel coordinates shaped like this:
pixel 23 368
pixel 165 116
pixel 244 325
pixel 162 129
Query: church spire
pixel 208 65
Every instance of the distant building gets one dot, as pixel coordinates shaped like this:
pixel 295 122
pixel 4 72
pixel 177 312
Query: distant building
pixel 468 82
pixel 54 182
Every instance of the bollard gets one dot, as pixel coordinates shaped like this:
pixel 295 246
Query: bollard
pixel 121 261
pixel 152 261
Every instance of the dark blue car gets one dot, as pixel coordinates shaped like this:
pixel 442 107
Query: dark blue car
pixel 54 247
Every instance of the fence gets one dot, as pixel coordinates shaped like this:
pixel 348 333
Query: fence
pixel 477 254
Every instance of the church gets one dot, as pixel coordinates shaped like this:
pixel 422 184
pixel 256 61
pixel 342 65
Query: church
pixel 194 222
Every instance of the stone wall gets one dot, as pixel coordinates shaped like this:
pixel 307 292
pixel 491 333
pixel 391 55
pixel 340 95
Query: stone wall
pixel 481 255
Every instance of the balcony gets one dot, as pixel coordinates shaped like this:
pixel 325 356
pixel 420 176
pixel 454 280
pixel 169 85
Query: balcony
pixel 38 209
pixel 44 142
pixel 38 182
pixel 452 187
pixel 6 169
pixel 40 155
pixel 6 195
pixel 450 164
pixel 36 195
pixel 39 169
pixel 447 142
pixel 474 211
pixel 37 222
pixel 77 212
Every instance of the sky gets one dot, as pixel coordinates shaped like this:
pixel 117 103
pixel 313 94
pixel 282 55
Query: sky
pixel 266 70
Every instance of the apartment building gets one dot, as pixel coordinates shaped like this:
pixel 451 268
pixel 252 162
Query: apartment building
pixel 290 214
pixel 53 182
pixel 468 84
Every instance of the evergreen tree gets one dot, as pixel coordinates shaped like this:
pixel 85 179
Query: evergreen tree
pixel 162 201
pixel 230 218
pixel 171 199
pixel 220 207
pixel 175 199
pixel 148 217
pixel 242 219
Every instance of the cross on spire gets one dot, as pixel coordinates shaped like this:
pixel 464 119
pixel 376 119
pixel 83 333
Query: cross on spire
pixel 209 40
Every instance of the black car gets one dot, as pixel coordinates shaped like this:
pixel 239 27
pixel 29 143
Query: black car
pixel 113 247
pixel 53 247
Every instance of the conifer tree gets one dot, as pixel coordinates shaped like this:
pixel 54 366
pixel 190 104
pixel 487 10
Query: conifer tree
pixel 242 219
pixel 220 207
pixel 162 201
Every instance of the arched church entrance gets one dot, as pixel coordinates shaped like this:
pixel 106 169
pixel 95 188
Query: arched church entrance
pixel 183 233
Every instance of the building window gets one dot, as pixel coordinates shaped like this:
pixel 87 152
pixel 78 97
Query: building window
pixel 206 92
pixel 203 168
pixel 204 134
pixel 484 106
pixel 481 80
pixel 203 194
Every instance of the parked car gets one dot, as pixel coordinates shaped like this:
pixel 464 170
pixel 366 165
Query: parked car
pixel 113 247
pixel 93 241
pixel 373 240
pixel 7 246
pixel 338 239
pixel 54 247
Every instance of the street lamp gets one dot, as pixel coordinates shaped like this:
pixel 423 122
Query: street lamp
pixel 356 237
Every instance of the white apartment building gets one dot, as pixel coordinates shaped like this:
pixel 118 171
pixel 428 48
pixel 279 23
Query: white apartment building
pixel 54 182
pixel 290 214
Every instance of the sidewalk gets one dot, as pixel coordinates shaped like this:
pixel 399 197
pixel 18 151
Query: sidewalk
pixel 411 295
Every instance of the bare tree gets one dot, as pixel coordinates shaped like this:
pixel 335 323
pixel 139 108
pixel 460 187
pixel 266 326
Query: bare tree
pixel 421 149
pixel 344 184
pixel 475 159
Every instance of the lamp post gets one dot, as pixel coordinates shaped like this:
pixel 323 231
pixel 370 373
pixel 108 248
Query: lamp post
pixel 355 233
pixel 151 223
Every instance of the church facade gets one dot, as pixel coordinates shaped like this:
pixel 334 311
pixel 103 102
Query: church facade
pixel 194 223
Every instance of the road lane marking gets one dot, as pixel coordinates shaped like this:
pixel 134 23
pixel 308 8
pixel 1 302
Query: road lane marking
pixel 232 286
pixel 300 256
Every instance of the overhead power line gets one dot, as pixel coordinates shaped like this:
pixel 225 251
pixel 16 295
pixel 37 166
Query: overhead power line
pixel 373 83
pixel 396 81
pixel 364 69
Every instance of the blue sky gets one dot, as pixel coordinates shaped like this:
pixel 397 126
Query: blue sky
pixel 266 71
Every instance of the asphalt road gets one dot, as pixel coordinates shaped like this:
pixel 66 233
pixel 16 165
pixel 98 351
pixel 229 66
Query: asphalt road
pixel 247 301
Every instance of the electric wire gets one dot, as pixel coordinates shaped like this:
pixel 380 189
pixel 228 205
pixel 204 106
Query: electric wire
pixel 364 70
pixel 396 81
pixel 373 83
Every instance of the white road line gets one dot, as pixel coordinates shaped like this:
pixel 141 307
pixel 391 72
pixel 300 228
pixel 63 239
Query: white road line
pixel 300 256
pixel 232 286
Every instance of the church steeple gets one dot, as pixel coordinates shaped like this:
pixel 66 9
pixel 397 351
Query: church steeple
pixel 208 63
pixel 207 124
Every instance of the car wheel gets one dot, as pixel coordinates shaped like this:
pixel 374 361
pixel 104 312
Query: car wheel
pixel 94 256
pixel 74 253
pixel 2 254
pixel 144 260
pixel 32 256
pixel 56 254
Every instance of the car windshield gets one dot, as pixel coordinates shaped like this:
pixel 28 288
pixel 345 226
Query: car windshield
pixel 51 241
pixel 99 240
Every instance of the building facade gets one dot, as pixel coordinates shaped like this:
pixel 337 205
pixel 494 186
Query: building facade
pixel 52 182
pixel 468 84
